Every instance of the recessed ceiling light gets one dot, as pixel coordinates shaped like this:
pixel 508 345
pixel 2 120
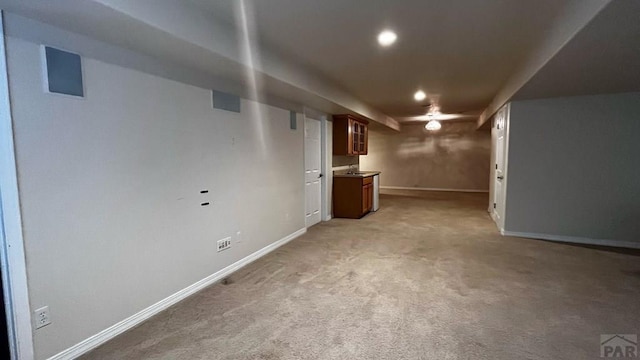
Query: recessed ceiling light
pixel 387 38
pixel 419 95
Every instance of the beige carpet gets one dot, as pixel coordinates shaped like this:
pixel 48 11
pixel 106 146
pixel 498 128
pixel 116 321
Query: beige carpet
pixel 426 277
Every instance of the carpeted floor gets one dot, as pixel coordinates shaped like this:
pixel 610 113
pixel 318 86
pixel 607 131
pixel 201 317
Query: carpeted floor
pixel 426 277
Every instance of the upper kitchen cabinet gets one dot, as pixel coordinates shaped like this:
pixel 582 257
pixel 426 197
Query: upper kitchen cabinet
pixel 350 135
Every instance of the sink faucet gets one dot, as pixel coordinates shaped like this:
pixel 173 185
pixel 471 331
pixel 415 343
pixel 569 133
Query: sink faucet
pixel 351 169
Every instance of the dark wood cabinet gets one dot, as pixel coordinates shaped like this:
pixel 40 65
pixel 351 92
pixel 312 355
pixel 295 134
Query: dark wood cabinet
pixel 352 196
pixel 350 135
pixel 367 197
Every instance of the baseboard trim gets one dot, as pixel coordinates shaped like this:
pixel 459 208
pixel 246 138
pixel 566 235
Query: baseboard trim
pixel 128 323
pixel 432 189
pixel 573 239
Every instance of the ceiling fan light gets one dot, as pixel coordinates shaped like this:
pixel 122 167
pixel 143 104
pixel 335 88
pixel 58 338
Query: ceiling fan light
pixel 433 125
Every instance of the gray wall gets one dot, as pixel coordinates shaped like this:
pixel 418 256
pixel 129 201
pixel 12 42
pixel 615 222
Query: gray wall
pixel 455 157
pixel 110 189
pixel 574 167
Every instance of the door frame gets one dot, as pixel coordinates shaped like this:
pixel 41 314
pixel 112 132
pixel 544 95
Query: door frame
pixel 326 163
pixel 503 115
pixel 325 160
pixel 12 256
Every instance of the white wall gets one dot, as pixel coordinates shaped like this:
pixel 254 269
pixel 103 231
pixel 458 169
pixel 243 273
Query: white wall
pixel 574 169
pixel 110 190
pixel 12 259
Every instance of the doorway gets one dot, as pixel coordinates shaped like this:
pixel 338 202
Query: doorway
pixel 499 173
pixel 499 179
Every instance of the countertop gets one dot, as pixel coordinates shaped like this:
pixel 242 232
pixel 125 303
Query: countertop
pixel 359 174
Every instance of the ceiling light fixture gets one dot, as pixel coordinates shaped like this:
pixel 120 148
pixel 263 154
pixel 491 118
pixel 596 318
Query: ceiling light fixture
pixel 387 38
pixel 432 115
pixel 419 95
pixel 433 125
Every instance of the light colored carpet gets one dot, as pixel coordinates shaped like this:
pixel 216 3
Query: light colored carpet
pixel 426 277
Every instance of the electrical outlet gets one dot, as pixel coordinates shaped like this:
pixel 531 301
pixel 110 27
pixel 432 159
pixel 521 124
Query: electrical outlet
pixel 41 317
pixel 238 237
pixel 224 244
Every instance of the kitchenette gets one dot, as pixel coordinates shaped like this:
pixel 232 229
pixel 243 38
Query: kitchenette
pixel 355 191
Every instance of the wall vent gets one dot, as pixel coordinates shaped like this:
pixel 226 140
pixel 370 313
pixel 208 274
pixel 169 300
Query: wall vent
pixel 64 72
pixel 225 101
pixel 293 120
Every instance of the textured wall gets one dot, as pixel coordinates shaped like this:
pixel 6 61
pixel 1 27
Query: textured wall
pixel 456 157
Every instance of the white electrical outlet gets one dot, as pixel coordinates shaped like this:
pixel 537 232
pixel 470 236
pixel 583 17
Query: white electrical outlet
pixel 224 244
pixel 41 317
pixel 238 237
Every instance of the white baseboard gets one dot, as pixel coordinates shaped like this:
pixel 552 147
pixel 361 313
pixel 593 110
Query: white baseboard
pixel 128 323
pixel 432 189
pixel 573 239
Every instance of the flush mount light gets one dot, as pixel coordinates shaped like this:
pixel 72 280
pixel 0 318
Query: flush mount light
pixel 387 37
pixel 433 125
pixel 419 95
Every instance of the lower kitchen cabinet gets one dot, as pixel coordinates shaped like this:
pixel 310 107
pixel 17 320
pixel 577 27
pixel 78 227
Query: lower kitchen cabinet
pixel 352 196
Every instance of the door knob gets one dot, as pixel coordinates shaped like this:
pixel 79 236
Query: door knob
pixel 319 176
pixel 500 177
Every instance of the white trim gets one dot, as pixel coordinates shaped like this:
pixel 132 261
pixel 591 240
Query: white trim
pixel 502 208
pixel 495 219
pixel 432 189
pixel 12 259
pixel 128 323
pixel 326 163
pixel 573 239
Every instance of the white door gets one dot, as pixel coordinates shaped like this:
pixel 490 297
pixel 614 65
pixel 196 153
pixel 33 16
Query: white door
pixel 312 174
pixel 498 192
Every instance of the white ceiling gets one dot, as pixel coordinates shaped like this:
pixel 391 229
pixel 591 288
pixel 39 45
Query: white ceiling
pixel 602 58
pixel 459 51
pixel 469 55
